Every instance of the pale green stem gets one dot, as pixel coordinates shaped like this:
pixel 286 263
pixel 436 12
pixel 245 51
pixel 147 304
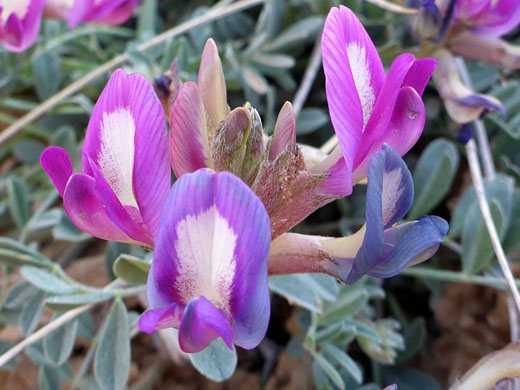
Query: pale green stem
pixel 458 277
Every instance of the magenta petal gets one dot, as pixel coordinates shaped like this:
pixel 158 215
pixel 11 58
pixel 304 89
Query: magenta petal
pixel 403 131
pixel 384 107
pixel 165 317
pixel 284 131
pixel 189 140
pixel 56 162
pixel 126 140
pixel 125 217
pixel 19 34
pixel 77 13
pixel 86 211
pixel 354 75
pixel 501 17
pixel 151 152
pixel 419 74
pixel 12 34
pixel 118 12
pixel 202 323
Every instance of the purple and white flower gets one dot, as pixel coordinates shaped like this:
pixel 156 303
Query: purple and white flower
pixel 209 272
pixel 367 107
pixel 381 248
pixel 20 23
pixel 126 175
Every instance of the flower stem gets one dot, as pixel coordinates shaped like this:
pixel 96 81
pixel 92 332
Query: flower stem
pixel 456 276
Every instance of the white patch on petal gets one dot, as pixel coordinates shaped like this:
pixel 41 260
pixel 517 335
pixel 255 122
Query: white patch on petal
pixel 205 247
pixel 116 156
pixel 17 7
pixel 360 67
pixel 392 191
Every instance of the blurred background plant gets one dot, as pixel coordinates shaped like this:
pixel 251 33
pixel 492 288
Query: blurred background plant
pixel 422 329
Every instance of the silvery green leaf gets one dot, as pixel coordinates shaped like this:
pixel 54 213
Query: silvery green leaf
pixel 18 247
pixel 295 289
pixel 329 369
pixel 277 61
pixel 58 344
pixel 60 303
pixel 414 336
pixel 16 258
pixel 324 285
pixel 31 313
pixel 433 176
pixel 300 32
pixel 477 249
pixel 511 240
pixel 49 377
pixel 46 281
pixel 112 359
pixel 311 119
pixel 132 270
pixel 4 347
pixel 35 353
pixel 329 332
pixel 114 249
pixel 47 220
pixel 364 330
pixel 28 151
pixel 47 73
pixel 19 294
pixel 65 137
pixel 346 334
pixel 349 302
pixel 217 362
pixel 85 326
pixel 10 316
pixel 344 360
pixel 501 189
pixel 67 231
pixel 18 200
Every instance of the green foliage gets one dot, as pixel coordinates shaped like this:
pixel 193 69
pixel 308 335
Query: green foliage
pixel 131 269
pixel 433 176
pixel 58 345
pixel 217 361
pixel 112 360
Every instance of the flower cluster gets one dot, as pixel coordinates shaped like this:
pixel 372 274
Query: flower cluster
pixel 20 19
pixel 222 227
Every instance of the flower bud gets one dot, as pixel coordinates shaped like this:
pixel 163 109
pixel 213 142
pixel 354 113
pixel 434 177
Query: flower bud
pixel 229 141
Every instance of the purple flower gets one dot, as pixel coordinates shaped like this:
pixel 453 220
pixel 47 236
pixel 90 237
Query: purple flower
pixel 126 176
pixel 367 107
pixel 209 273
pixel 490 18
pixel 476 27
pixel 381 248
pixel 20 23
pixel 110 12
